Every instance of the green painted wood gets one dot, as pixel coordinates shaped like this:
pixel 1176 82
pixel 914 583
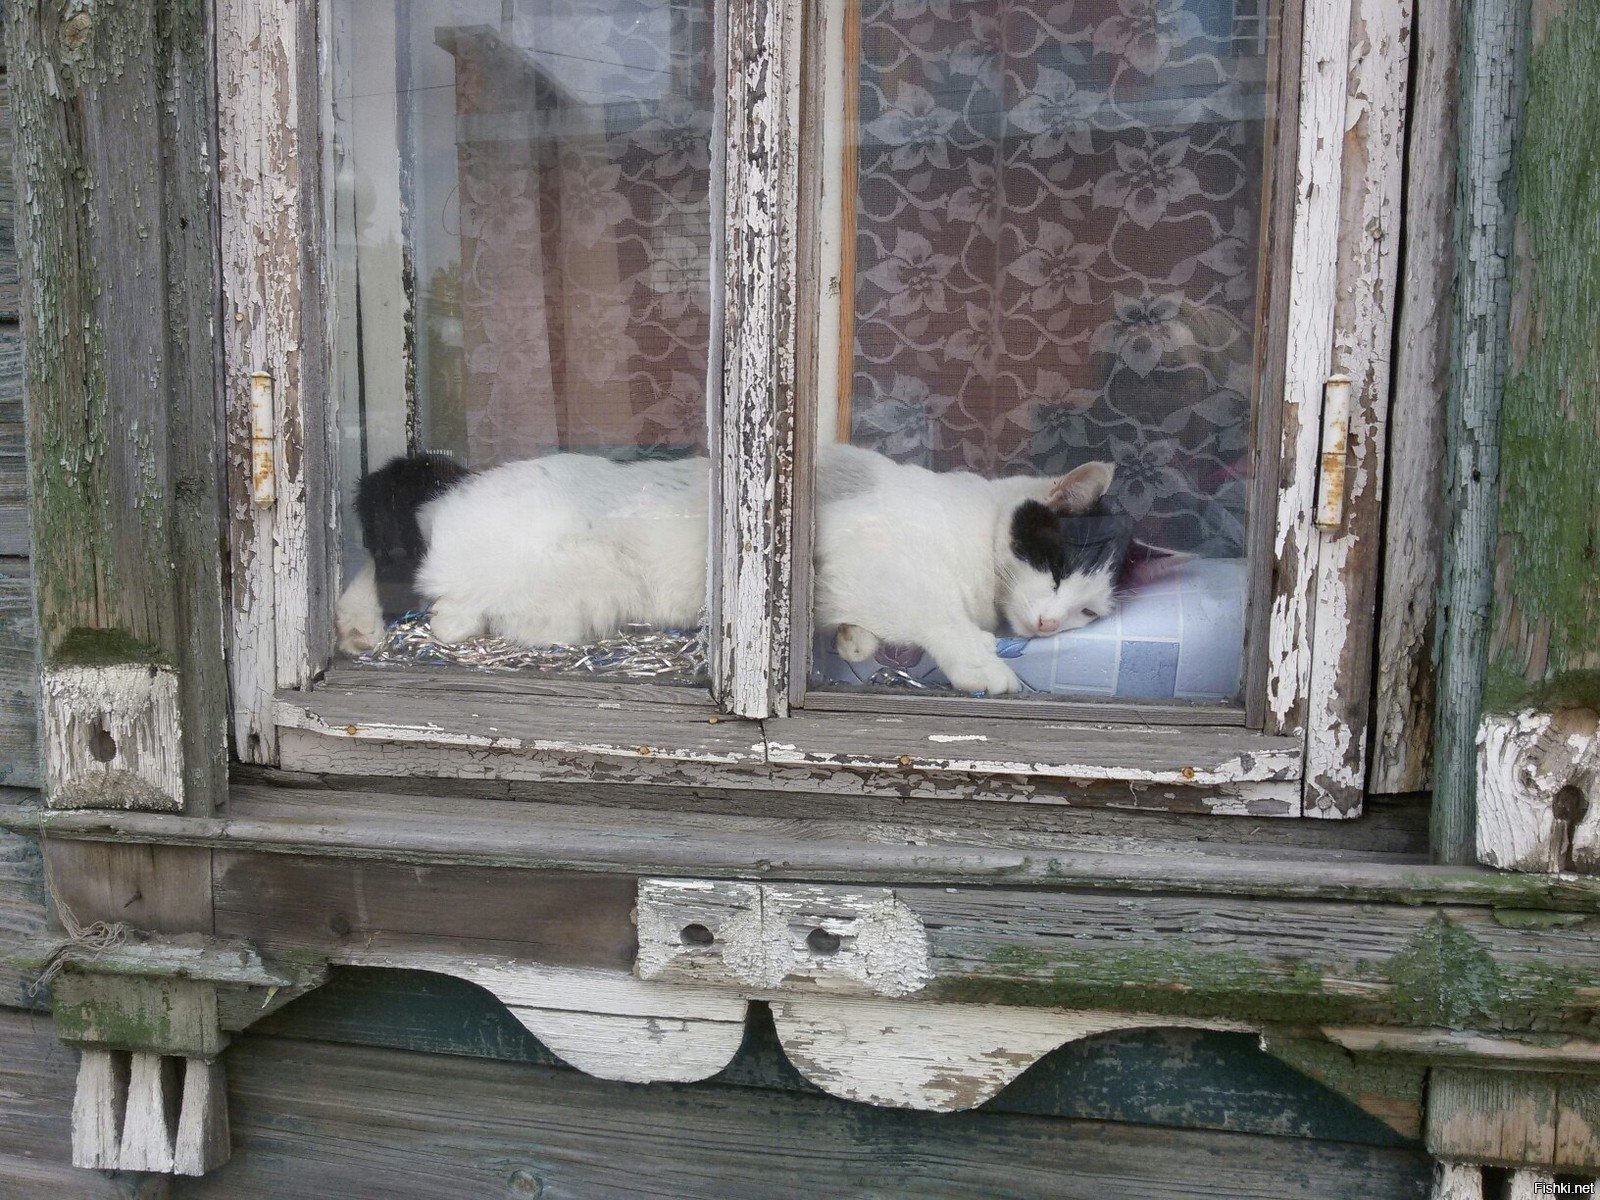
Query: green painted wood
pixel 1190 1079
pixel 1546 646
pixel 360 1123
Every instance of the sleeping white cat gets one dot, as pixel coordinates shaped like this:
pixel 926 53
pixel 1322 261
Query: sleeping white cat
pixel 567 548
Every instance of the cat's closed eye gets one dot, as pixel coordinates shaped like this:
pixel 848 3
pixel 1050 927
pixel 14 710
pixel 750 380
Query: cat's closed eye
pixel 1091 614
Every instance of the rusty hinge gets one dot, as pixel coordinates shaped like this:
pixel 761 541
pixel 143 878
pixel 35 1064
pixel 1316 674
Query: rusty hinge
pixel 263 465
pixel 1335 447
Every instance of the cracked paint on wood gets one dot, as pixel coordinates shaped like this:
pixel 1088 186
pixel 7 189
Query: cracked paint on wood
pixel 1414 514
pixel 1346 577
pixel 753 442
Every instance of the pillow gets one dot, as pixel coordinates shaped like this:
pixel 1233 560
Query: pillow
pixel 1177 635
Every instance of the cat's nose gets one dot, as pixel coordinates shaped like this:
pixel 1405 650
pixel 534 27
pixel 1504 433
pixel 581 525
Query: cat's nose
pixel 1048 624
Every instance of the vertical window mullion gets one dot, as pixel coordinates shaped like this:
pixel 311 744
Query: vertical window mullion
pixel 753 437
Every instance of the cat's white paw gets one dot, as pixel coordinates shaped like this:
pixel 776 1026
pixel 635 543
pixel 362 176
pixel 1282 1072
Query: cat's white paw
pixel 358 617
pixel 991 677
pixel 451 623
pixel 358 638
pixel 856 644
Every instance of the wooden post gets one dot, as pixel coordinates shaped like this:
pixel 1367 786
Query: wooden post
pixel 1537 745
pixel 753 439
pixel 1491 70
pixel 114 118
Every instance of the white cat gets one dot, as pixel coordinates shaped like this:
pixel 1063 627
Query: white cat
pixel 566 549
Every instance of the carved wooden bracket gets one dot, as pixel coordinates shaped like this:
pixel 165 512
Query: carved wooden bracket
pixel 851 941
pixel 111 737
pixel 140 1111
pixel 150 1017
pixel 1539 791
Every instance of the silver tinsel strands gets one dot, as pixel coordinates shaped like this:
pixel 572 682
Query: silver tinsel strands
pixel 637 652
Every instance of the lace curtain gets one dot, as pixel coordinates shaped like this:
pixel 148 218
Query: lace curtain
pixel 584 173
pixel 1057 233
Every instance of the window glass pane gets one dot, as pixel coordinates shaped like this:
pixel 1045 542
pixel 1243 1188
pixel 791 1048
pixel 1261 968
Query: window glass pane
pixel 521 254
pixel 1050 256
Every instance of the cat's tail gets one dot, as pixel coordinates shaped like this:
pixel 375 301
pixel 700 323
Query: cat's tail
pixel 388 503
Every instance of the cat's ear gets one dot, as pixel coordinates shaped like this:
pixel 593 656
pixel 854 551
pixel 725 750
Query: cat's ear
pixel 1080 489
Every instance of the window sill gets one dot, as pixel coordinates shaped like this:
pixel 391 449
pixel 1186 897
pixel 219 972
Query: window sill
pixel 392 722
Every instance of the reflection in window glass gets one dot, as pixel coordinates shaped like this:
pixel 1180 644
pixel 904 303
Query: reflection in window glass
pixel 1050 256
pixel 521 256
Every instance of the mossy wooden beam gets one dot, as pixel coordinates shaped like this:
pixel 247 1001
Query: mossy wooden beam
pixel 1545 649
pixel 113 118
pixel 1491 76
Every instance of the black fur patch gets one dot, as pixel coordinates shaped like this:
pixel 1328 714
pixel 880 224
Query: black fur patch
pixel 1065 546
pixel 387 501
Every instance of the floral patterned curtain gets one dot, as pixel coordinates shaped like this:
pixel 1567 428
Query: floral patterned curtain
pixel 1057 235
pixel 584 168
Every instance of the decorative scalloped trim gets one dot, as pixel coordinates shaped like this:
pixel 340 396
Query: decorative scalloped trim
pixel 895 1053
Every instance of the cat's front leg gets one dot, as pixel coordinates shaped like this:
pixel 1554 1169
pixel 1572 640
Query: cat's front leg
pixel 358 617
pixel 966 655
pixel 453 623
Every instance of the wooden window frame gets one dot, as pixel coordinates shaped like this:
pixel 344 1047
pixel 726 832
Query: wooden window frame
pixel 292 709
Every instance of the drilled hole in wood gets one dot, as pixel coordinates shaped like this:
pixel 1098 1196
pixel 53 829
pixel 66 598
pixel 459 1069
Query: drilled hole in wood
pixel 696 935
pixel 823 942
pixel 1570 804
pixel 102 746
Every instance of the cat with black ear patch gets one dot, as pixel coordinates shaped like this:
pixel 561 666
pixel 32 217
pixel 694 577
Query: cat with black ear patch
pixel 389 504
pixel 946 560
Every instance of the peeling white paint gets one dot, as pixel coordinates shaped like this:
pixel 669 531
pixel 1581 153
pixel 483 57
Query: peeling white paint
pixel 111 737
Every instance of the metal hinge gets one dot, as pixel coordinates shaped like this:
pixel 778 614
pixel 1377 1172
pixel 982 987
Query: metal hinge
pixel 1335 452
pixel 263 458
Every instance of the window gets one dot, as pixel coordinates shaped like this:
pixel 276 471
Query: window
pixel 521 241
pixel 1048 245
pixel 1045 249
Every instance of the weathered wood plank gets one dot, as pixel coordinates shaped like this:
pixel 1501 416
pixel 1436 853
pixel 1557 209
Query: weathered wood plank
pixel 1414 519
pixel 367 726
pixel 1392 826
pixel 158 889
pixel 1490 78
pixel 9 289
pixel 113 112
pixel 1324 58
pixel 473 831
pixel 37 1078
pixel 329 904
pixel 752 439
pixel 1452 968
pixel 19 678
pixel 1346 581
pixel 1499 1117
pixel 331 1120
pixel 271 227
pixel 22 914
pixel 14 516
